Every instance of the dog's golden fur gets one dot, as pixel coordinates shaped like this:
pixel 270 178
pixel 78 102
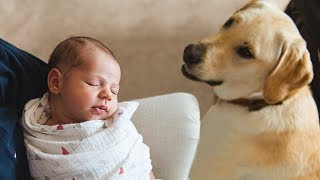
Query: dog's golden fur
pixel 259 55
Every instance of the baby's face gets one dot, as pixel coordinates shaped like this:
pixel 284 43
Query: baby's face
pixel 90 90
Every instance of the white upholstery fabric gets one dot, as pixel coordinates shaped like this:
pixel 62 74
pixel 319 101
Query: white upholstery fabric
pixel 170 126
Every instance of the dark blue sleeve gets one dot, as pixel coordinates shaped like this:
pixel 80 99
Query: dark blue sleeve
pixel 22 77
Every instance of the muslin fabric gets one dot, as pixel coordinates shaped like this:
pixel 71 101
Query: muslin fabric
pixel 95 149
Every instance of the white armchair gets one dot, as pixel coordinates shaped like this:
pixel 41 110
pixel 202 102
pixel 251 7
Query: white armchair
pixel 170 125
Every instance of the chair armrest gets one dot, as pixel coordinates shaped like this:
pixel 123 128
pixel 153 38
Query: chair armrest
pixel 170 126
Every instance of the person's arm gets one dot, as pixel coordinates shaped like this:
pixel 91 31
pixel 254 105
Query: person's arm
pixel 22 77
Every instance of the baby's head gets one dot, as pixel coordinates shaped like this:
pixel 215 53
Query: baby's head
pixel 83 81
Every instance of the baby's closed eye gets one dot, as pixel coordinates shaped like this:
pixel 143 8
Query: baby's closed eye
pixel 115 89
pixel 92 83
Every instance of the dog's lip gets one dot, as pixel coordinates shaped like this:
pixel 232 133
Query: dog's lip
pixel 214 83
pixel 190 76
pixel 186 73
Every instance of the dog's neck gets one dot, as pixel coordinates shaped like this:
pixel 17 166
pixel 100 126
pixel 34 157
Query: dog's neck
pixel 253 102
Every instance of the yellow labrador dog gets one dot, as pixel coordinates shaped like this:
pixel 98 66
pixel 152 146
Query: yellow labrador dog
pixel 264 125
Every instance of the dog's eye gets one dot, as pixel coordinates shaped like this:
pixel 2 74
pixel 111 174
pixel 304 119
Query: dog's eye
pixel 228 23
pixel 245 52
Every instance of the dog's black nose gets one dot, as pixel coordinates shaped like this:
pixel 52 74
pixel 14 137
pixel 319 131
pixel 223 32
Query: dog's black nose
pixel 193 53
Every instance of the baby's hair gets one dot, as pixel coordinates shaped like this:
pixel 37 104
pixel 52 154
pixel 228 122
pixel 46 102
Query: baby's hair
pixel 68 51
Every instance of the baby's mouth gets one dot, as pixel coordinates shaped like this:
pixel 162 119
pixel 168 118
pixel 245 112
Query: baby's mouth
pixel 100 108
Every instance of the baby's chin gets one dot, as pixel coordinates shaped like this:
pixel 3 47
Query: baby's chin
pixel 102 117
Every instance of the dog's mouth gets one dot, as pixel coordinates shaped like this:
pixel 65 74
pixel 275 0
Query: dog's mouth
pixel 187 74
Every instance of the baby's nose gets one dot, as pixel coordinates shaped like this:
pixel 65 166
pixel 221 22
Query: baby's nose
pixel 105 94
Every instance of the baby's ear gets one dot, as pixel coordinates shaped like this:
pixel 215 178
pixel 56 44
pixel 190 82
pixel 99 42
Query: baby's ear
pixel 293 71
pixel 54 79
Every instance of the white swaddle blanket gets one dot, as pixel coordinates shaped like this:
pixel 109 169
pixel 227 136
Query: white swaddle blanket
pixel 96 149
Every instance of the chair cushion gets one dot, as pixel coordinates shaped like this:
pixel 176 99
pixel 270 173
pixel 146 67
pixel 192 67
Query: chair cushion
pixel 170 126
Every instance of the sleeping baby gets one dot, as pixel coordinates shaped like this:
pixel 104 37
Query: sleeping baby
pixel 78 130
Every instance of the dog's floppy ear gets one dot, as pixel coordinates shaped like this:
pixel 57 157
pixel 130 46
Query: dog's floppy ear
pixel 293 71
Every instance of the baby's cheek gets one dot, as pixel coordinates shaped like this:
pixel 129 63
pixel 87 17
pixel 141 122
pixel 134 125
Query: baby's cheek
pixel 114 108
pixel 84 100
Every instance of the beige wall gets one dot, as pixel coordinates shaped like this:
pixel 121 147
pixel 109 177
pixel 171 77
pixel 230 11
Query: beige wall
pixel 147 36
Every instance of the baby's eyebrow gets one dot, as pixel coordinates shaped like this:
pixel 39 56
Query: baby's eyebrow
pixel 101 78
pixel 115 85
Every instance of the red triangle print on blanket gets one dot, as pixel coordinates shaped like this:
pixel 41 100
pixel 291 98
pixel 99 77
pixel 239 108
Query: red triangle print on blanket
pixel 64 151
pixel 121 171
pixel 60 127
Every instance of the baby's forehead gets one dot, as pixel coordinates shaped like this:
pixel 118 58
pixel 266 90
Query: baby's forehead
pixel 96 59
pixel 94 48
pixel 94 56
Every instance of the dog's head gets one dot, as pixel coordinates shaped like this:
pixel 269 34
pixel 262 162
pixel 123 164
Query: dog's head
pixel 258 50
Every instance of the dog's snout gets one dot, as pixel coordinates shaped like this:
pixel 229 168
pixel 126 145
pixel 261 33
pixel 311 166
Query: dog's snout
pixel 193 53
